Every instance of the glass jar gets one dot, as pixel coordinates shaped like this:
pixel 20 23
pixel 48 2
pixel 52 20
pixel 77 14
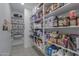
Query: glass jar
pixel 65 21
pixel 73 22
pixel 60 22
pixel 55 22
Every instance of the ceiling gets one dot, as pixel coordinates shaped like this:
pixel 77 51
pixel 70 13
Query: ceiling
pixel 19 7
pixel 30 5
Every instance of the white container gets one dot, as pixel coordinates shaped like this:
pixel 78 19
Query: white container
pixel 77 44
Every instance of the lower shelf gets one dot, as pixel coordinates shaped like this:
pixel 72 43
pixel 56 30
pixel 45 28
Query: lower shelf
pixel 39 50
pixel 63 48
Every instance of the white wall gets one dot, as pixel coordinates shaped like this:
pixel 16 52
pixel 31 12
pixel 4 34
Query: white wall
pixel 5 41
pixel 27 40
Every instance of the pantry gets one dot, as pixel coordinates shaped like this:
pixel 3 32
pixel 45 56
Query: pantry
pixel 39 29
pixel 55 29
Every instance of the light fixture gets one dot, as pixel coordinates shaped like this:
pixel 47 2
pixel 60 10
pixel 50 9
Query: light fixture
pixel 37 8
pixel 22 3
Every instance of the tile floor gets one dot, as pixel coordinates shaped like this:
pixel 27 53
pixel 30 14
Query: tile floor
pixel 21 51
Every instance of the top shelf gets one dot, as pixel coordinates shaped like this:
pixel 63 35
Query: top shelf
pixel 38 9
pixel 41 8
pixel 63 9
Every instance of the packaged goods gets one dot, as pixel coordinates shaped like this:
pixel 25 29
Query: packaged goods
pixel 37 26
pixel 40 5
pixel 52 21
pixel 72 14
pixel 77 44
pixel 73 22
pixel 53 40
pixel 46 23
pixel 51 8
pixel 65 41
pixel 59 53
pixel 51 50
pixel 49 21
pixel 55 22
pixel 59 41
pixel 54 34
pixel 65 21
pixel 40 14
pixel 60 22
pixel 73 18
pixel 61 4
pixel 55 5
pixel 46 51
pixel 47 37
pixel 34 17
pixel 77 21
pixel 72 42
pixel 47 10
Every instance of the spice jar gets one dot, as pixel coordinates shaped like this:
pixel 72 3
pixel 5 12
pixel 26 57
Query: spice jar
pixel 73 22
pixel 73 17
pixel 60 22
pixel 77 21
pixel 55 22
pixel 65 21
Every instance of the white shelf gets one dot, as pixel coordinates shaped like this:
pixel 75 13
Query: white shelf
pixel 39 19
pixel 63 9
pixel 64 48
pixel 57 12
pixel 38 37
pixel 38 10
pixel 37 28
pixel 41 50
pixel 61 27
